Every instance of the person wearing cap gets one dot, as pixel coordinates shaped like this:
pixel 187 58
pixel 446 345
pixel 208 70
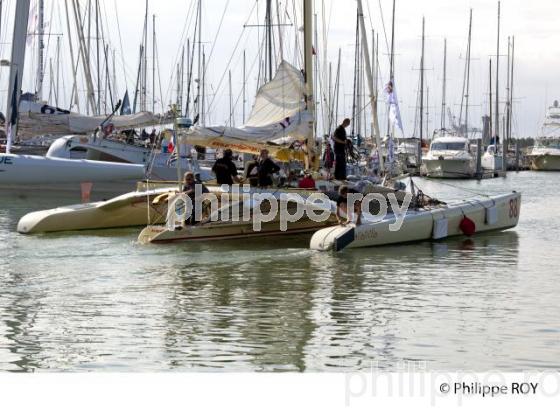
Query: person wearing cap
pixel 266 168
pixel 225 169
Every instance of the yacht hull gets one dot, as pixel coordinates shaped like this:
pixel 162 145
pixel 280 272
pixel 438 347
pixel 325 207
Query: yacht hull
pixel 545 162
pixel 422 225
pixel 449 168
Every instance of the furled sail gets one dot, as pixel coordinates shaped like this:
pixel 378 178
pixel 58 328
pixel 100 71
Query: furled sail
pixel 278 120
pixel 42 119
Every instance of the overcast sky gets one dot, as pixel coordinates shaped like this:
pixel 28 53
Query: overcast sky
pixel 534 25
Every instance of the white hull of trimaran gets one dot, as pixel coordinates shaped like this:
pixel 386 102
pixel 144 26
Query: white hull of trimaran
pixel 495 213
pixel 132 209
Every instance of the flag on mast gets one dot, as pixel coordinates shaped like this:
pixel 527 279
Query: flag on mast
pixel 125 107
pixel 394 111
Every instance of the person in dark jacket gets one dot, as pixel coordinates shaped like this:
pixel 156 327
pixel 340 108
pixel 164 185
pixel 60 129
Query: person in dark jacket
pixel 225 169
pixel 340 143
pixel 266 168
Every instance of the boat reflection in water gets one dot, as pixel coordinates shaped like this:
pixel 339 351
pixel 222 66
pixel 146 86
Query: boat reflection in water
pixel 339 312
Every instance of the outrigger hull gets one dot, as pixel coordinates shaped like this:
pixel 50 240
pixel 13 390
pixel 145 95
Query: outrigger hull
pixel 133 209
pixel 496 213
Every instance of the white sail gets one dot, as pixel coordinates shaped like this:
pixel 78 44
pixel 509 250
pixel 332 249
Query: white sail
pixel 278 118
pixel 40 119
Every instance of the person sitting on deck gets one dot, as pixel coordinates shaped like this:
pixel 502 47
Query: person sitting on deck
pixel 342 203
pixel 189 188
pixel 307 182
pixel 225 169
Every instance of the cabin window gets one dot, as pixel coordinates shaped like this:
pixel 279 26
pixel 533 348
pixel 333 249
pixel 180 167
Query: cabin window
pixel 448 146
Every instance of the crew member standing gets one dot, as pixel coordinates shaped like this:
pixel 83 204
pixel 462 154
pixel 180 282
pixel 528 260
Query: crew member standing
pixel 340 142
pixel 225 169
pixel 266 168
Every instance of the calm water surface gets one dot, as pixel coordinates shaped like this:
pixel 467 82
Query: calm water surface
pixel 98 301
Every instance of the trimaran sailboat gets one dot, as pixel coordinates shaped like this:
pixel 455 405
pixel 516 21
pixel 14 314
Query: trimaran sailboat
pixel 431 220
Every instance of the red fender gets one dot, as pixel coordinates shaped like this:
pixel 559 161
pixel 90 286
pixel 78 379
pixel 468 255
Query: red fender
pixel 467 226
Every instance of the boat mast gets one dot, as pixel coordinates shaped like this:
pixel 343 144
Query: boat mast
pixel 511 89
pixel 308 62
pixel 108 85
pixel 17 63
pixel 269 37
pixel 374 73
pixel 391 66
pixel 372 93
pixel 443 102
pixel 337 88
pixel 467 92
pixel 180 78
pixel 98 59
pixel 40 51
pixel 422 83
pixel 188 78
pixel 138 80
pixel 57 89
pixel 356 63
pixel 154 66
pixel 231 123
pixel 427 111
pixel 506 130
pixel 497 113
pixel 85 57
pixel 203 113
pixel 490 89
pixel 143 100
pixel 199 61
pixel 316 68
pixel 74 93
pixel 244 84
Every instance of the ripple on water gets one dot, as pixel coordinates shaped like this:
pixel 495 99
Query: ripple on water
pixel 99 301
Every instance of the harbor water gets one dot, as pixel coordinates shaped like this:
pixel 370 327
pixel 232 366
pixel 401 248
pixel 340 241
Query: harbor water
pixel 99 301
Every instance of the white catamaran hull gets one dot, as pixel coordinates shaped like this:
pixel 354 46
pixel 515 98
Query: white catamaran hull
pixel 449 168
pixel 497 213
pixel 132 209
